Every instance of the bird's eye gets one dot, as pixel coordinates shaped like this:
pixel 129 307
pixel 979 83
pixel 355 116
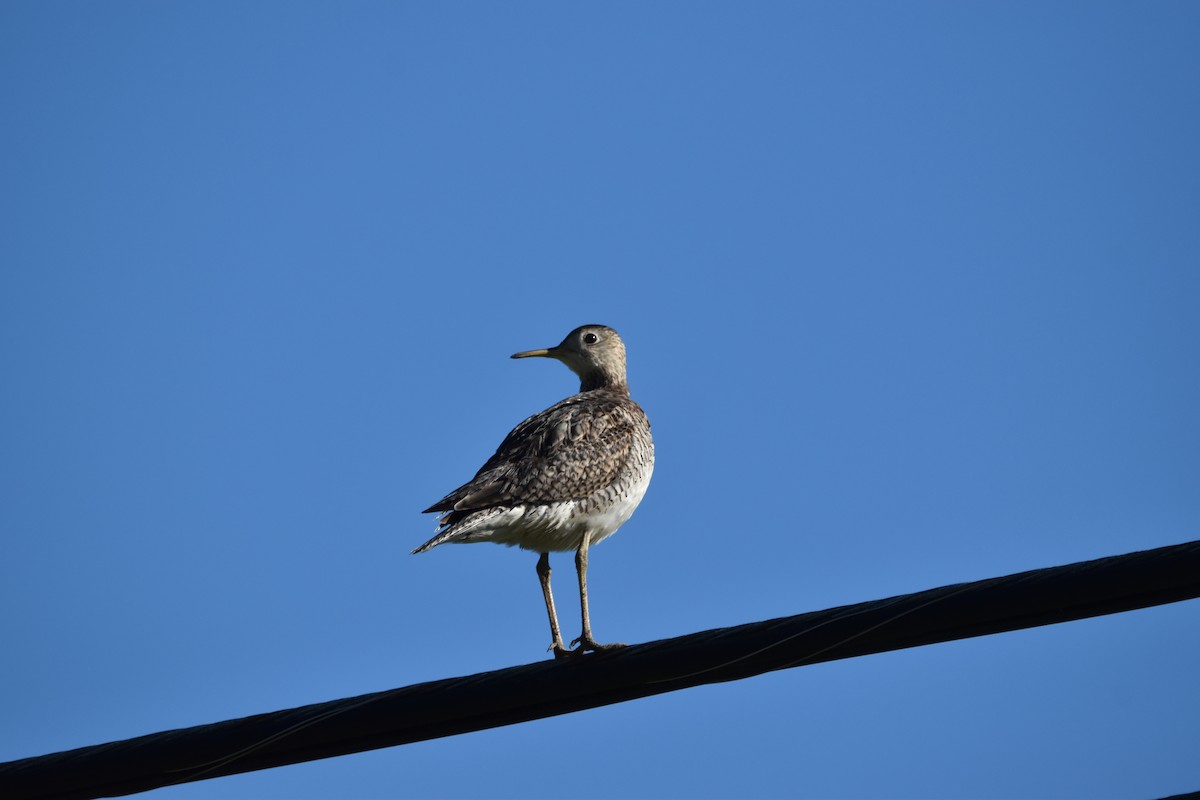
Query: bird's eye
pixel 590 338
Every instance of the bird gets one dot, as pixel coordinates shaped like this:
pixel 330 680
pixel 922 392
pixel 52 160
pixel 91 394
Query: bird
pixel 564 479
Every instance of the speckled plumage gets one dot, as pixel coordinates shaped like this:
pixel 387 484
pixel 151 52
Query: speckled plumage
pixel 589 451
pixel 565 478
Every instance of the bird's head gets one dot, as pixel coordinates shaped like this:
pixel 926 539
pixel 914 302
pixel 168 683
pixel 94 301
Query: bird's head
pixel 593 352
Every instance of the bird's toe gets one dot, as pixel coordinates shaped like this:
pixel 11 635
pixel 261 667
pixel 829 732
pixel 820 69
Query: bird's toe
pixel 587 644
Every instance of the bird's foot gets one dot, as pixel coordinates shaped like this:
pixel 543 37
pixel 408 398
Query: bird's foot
pixel 589 645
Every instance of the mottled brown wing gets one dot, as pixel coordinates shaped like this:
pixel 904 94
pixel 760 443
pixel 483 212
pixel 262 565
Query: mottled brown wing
pixel 571 450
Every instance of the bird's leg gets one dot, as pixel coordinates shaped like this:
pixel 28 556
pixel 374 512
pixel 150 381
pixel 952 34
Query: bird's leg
pixel 585 640
pixel 543 571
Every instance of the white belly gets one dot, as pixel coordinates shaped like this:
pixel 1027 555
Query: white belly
pixel 561 526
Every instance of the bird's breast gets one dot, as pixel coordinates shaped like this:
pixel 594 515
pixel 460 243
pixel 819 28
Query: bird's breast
pixel 625 496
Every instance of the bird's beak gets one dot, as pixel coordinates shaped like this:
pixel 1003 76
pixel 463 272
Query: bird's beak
pixel 545 353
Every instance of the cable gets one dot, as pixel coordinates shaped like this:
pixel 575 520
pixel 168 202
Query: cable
pixel 548 688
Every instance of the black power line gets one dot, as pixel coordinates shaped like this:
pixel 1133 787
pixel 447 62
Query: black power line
pixel 544 689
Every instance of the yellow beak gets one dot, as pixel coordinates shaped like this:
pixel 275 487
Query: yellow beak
pixel 545 353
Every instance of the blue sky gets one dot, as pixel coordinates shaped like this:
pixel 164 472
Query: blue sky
pixel 910 294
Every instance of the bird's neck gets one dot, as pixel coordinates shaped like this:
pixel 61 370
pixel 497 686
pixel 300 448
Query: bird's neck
pixel 604 380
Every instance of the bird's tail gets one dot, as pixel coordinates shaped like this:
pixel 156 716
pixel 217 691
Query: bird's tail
pixel 461 526
pixel 452 529
pixel 432 543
